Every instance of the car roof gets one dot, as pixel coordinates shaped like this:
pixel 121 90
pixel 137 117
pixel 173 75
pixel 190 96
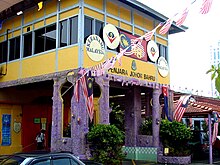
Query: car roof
pixel 32 155
pixel 42 153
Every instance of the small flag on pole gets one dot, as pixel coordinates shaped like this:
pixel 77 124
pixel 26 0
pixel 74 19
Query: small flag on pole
pixel 166 107
pixel 181 107
pixel 206 5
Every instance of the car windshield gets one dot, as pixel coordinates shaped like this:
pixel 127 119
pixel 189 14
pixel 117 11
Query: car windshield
pixel 13 160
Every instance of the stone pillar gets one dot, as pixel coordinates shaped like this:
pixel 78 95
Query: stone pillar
pixel 104 108
pixel 156 118
pixel 171 106
pixel 57 117
pixel 79 123
pixel 132 115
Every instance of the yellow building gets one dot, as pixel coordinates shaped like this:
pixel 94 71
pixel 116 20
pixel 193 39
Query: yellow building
pixel 41 51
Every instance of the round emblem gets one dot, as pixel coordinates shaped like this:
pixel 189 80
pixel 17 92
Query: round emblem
pixel 125 42
pixel 163 67
pixel 152 51
pixel 133 65
pixel 111 36
pixel 95 48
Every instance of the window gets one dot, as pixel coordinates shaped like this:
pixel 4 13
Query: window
pixel 68 32
pixel 88 28
pixel 92 26
pixel 3 52
pixel 99 28
pixel 14 52
pixel 14 160
pixel 39 40
pixel 73 30
pixel 63 34
pixel 50 37
pixel 65 161
pixel 45 39
pixel 27 45
pixel 163 51
pixel 41 162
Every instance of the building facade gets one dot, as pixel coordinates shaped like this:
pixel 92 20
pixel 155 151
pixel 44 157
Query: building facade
pixel 41 53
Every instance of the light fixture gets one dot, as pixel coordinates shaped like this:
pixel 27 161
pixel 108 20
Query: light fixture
pixel 20 12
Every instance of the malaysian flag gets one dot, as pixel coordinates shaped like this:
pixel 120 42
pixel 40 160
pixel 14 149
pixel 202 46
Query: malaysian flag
pixel 181 107
pixel 182 18
pixel 206 5
pixel 165 107
pixel 165 28
pixel 86 81
pixel 87 86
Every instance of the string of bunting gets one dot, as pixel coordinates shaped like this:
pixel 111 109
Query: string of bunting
pixel 103 67
pixel 181 17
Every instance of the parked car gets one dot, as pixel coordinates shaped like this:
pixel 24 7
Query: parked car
pixel 60 158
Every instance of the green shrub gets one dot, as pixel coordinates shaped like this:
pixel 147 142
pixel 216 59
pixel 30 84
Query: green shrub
pixel 106 144
pixel 146 127
pixel 175 136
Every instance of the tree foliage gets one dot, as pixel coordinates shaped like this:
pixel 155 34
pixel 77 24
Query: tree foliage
pixel 215 75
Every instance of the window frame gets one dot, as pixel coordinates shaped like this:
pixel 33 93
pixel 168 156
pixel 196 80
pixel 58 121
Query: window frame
pixel 69 31
pixel 3 52
pixel 15 48
pixel 43 32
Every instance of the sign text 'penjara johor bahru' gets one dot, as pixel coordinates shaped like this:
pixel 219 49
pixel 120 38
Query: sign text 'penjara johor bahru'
pixel 125 72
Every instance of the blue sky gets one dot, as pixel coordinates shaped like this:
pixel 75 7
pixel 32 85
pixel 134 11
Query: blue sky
pixel 189 51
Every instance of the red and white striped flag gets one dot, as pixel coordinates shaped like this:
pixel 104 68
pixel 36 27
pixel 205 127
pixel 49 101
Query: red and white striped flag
pixel 215 132
pixel 206 5
pixel 165 28
pixel 182 18
pixel 147 36
pixel 181 107
pixel 76 90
